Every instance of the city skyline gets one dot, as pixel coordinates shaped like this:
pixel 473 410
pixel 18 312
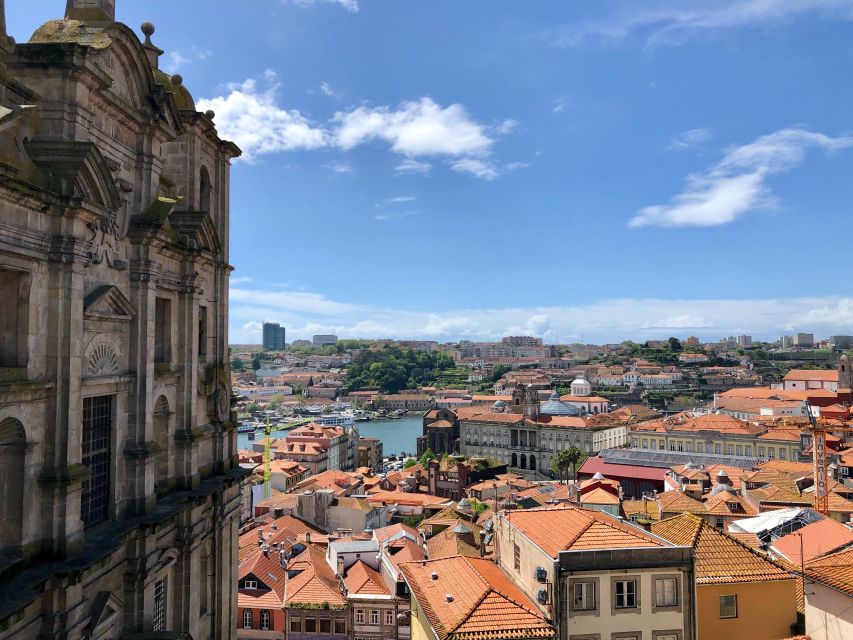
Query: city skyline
pixel 412 160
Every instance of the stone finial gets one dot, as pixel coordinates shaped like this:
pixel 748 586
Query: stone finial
pixel 91 10
pixel 152 51
pixel 210 113
pixel 177 79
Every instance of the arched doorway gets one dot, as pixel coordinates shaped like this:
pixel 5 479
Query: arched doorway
pixel 514 462
pixel 533 462
pixel 523 460
pixel 204 191
pixel 13 444
pixel 162 437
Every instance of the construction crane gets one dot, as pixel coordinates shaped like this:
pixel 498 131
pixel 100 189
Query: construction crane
pixel 818 431
pixel 267 471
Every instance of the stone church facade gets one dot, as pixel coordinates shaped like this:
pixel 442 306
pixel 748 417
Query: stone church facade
pixel 119 482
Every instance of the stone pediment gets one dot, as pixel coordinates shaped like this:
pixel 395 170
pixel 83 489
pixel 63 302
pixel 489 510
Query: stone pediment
pixel 105 615
pixel 107 302
pixel 76 170
pixel 196 229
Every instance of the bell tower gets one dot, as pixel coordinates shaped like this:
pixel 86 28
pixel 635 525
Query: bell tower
pixel 91 10
pixel 845 376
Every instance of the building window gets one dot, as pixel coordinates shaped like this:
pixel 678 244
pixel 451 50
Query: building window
pixel 720 522
pixel 97 432
pixel 666 592
pixel 15 293
pixel 265 620
pixel 310 625
pixel 250 584
pixel 626 594
pixel 202 333
pixel 718 449
pixel 325 625
pixel 162 330
pixel 760 452
pixel 158 620
pixel 583 596
pixel 730 450
pixel 247 618
pixel 296 625
pixel 389 618
pixel 359 616
pixel 781 454
pixel 340 627
pixel 749 451
pixel 374 617
pixel 516 557
pixel 771 453
pixel 728 606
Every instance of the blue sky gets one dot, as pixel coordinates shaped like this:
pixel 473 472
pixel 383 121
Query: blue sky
pixel 580 171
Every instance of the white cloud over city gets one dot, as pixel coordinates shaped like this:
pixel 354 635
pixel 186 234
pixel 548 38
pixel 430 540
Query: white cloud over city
pixel 349 5
pixel 604 321
pixel 417 131
pixel 673 22
pixel 738 184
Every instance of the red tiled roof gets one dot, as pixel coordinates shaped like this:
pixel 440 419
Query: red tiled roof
pixel 817 539
pixel 483 603
pixel 315 584
pixel 594 465
pixel 834 570
pixel 572 529
pixel 361 579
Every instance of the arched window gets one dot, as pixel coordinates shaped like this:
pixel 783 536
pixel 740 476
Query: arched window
pixel 523 460
pixel 247 618
pixel 514 462
pixel 163 438
pixel 533 462
pixel 13 442
pixel 204 190
pixel 265 620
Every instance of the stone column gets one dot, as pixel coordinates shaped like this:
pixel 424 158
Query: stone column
pixel 186 356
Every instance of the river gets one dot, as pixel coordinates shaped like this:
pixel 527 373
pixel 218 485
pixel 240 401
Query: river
pixel 396 435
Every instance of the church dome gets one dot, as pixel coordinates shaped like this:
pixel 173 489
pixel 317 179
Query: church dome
pixel 556 407
pixel 580 386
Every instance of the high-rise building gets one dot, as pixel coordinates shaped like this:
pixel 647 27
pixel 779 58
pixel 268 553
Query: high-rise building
pixel 804 340
pixel 744 342
pixel 522 341
pixel 786 342
pixel 841 342
pixel 120 493
pixel 274 336
pixel 324 340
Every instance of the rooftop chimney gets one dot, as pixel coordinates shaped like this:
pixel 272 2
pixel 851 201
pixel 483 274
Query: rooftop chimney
pixel 433 576
pixel 91 10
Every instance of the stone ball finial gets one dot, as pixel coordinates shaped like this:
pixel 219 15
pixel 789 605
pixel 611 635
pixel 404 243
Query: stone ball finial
pixel 177 80
pixel 147 29
pixel 210 113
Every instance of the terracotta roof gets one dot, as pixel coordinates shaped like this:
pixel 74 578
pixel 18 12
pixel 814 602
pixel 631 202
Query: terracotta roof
pixel 361 579
pixel 830 375
pixel 573 529
pixel 817 539
pixel 599 496
pixel 315 584
pixel 719 558
pixel 641 508
pixel 594 464
pixel 834 570
pixel 448 544
pixel 392 531
pixel 258 599
pixel 729 504
pixel 679 502
pixel 483 603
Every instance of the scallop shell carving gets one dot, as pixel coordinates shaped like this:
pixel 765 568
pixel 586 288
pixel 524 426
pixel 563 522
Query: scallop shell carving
pixel 102 361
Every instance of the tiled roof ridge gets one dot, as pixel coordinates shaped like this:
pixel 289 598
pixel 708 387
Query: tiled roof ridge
pixel 489 592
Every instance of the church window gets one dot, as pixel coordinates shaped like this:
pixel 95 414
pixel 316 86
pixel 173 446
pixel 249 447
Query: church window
pixel 97 434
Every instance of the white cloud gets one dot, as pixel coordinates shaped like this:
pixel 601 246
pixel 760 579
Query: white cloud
pixel 674 21
pixel 174 61
pixel 349 5
pixel 736 185
pixel 386 217
pixel 507 126
pixel 415 128
pixel 476 167
pixel 409 165
pixel 598 322
pixel 340 167
pixel 399 199
pixel 688 139
pixel 239 280
pixel 251 117
pixel 560 105
pixel 327 90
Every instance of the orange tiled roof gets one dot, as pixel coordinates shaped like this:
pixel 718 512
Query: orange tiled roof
pixel 679 502
pixel 315 584
pixel 830 375
pixel 642 508
pixel 448 544
pixel 729 504
pixel 484 604
pixel 816 538
pixel 720 559
pixel 361 579
pixel 573 529
pixel 834 570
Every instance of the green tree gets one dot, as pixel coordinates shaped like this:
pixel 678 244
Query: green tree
pixel 256 363
pixel 426 457
pixel 411 462
pixel 237 364
pixel 571 457
pixel 675 344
